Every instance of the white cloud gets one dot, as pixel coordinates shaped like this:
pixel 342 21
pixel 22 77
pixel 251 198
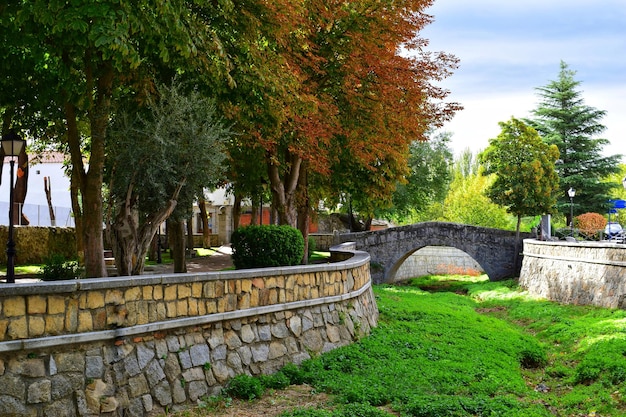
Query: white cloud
pixel 508 49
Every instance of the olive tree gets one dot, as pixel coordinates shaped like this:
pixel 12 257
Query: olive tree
pixel 161 157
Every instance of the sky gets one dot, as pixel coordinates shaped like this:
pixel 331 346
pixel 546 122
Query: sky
pixel 507 49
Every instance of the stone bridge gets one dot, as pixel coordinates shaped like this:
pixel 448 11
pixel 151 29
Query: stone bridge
pixel 493 249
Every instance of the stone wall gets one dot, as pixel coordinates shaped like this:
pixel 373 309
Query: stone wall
pixel 437 260
pixel 136 346
pixel 576 272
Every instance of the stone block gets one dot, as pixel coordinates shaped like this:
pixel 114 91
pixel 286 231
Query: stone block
pixel 184 291
pixel 170 293
pixel 37 304
pixel 85 322
pixel 14 307
pixel 39 392
pixel 18 328
pixel 55 324
pixel 36 326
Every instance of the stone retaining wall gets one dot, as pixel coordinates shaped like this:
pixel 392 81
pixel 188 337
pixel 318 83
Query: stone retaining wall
pixel 591 273
pixel 136 346
pixel 438 260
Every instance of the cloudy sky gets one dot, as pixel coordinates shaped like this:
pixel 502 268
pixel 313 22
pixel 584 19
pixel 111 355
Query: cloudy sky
pixel 509 48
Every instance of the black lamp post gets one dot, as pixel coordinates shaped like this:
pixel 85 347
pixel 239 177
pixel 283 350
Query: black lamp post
pixel 571 193
pixel 12 146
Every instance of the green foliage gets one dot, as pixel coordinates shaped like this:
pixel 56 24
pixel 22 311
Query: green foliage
pixel 57 267
pixel 428 180
pixel 525 179
pixel 277 380
pixel 267 246
pixel 466 203
pixel 245 387
pixel 345 410
pixel 564 120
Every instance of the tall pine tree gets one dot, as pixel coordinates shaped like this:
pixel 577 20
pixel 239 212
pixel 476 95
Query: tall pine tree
pixel 562 119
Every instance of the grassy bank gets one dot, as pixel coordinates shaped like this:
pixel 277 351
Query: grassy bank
pixel 468 347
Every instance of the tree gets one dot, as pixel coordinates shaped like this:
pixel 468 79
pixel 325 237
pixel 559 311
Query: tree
pixel 562 119
pixel 160 159
pixel 466 203
pixel 428 180
pixel 90 53
pixel 350 103
pixel 525 182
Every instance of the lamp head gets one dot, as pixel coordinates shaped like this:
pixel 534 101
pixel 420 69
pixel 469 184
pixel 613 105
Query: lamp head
pixel 12 144
pixel 571 192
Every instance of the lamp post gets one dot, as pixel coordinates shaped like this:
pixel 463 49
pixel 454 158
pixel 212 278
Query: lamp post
pixel 571 193
pixel 12 146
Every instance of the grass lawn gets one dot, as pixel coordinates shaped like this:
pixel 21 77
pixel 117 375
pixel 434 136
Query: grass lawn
pixel 465 347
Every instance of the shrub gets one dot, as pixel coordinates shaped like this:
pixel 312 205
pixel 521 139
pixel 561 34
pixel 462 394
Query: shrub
pixel 275 381
pixel 590 225
pixel 267 246
pixel 294 373
pixel 244 387
pixel 56 268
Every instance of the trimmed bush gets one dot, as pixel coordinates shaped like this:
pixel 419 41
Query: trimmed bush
pixel 266 246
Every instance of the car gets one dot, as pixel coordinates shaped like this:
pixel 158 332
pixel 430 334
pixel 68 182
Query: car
pixel 613 229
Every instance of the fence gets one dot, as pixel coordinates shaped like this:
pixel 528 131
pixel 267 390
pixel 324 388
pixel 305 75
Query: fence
pixel 39 215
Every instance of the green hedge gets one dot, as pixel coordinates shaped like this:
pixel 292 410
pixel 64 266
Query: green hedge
pixel 266 246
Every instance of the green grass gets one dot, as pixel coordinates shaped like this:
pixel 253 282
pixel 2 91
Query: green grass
pixel 469 347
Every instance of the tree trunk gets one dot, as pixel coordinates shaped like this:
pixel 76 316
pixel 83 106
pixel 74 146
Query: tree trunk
pixel 236 210
pixel 304 210
pixel 78 217
pixel 206 237
pixel 47 189
pixel 284 191
pixel 516 249
pixel 20 190
pixel 190 243
pixel 176 232
pixel 90 182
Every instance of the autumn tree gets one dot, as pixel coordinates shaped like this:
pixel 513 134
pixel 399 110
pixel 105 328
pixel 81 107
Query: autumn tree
pixel 525 182
pixel 160 159
pixel 351 103
pixel 564 120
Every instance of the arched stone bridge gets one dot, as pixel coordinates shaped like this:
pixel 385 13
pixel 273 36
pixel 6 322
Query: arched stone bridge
pixel 493 249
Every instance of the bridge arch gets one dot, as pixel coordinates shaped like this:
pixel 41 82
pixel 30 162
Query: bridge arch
pixel 493 249
pixel 436 260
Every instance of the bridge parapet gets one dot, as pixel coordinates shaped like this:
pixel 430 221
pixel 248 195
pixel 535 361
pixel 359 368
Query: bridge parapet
pixel 493 249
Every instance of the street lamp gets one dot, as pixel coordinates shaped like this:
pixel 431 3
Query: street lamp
pixel 571 193
pixel 12 146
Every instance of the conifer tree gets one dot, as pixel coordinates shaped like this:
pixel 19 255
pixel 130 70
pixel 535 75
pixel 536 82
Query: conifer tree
pixel 563 119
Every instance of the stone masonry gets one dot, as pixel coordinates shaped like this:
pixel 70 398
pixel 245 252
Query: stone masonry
pixel 583 273
pixel 492 249
pixel 136 346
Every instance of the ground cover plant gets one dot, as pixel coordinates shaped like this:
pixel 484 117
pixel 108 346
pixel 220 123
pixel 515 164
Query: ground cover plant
pixel 475 349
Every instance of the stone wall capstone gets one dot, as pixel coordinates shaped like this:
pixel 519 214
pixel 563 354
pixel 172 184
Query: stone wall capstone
pixel 137 346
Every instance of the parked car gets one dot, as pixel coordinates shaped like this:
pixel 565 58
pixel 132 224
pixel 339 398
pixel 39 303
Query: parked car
pixel 614 230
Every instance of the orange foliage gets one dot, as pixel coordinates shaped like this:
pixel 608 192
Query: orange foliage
pixel 590 224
